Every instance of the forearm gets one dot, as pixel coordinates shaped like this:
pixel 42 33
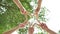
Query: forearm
pixel 30 33
pixel 39 6
pixel 18 4
pixel 12 30
pixel 50 31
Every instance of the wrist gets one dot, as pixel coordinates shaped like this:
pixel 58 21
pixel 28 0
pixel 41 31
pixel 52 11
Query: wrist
pixel 18 27
pixel 48 30
pixel 30 33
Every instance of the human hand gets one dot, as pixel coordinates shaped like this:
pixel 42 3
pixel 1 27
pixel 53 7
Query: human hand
pixel 23 24
pixel 31 29
pixel 43 26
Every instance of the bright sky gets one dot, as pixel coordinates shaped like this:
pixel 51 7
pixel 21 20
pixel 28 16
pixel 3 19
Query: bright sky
pixel 54 14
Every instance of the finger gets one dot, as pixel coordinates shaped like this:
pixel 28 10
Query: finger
pixel 25 22
pixel 38 21
pixel 33 24
pixel 43 24
pixel 30 24
pixel 40 24
pixel 21 25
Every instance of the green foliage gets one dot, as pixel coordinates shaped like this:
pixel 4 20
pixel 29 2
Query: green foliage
pixel 59 32
pixel 26 4
pixel 23 31
pixel 42 14
pixel 10 15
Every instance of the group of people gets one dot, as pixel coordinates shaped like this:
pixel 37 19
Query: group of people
pixel 31 28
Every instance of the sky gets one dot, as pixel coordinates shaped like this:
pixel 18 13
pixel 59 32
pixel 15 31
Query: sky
pixel 54 14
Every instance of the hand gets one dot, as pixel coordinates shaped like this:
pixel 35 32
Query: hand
pixel 43 26
pixel 31 29
pixel 24 12
pixel 21 25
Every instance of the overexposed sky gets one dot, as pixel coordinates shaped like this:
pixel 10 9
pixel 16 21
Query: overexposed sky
pixel 54 15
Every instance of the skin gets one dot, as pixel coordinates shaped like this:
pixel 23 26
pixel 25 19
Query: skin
pixel 22 9
pixel 44 27
pixel 15 28
pixel 31 29
pixel 38 8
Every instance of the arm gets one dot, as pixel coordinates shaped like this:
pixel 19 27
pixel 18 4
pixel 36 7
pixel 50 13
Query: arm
pixel 12 30
pixel 15 28
pixel 38 8
pixel 31 29
pixel 50 31
pixel 20 6
pixel 44 27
